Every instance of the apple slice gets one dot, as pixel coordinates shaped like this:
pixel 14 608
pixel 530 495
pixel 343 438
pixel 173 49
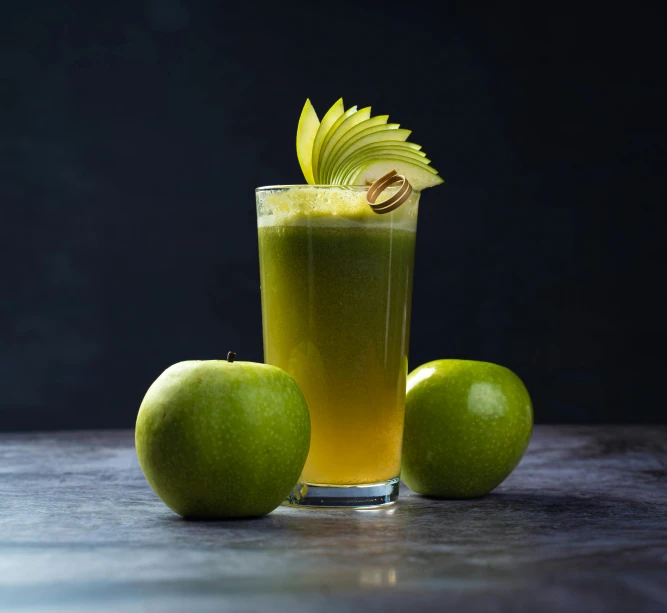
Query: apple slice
pixel 330 134
pixel 338 159
pixel 305 137
pixel 328 120
pixel 378 153
pixel 336 134
pixel 418 177
pixel 349 147
pixel 347 177
pixel 371 136
pixel 353 132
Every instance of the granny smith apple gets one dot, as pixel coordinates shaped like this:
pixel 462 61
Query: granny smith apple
pixel 219 439
pixel 467 425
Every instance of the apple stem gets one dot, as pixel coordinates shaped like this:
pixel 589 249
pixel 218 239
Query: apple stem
pixel 231 356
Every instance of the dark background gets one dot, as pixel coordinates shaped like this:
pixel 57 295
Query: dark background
pixel 134 132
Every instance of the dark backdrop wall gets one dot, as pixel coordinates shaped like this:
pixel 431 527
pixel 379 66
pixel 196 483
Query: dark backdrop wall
pixel 134 132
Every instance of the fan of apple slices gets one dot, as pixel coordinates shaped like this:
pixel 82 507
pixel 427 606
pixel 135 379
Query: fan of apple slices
pixel 349 147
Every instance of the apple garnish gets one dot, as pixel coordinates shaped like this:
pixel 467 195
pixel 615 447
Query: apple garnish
pixel 305 137
pixel 349 147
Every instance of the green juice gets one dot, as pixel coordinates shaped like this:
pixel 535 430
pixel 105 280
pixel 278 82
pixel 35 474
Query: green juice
pixel 336 294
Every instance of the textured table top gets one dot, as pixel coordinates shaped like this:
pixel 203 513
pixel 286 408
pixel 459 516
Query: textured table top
pixel 580 525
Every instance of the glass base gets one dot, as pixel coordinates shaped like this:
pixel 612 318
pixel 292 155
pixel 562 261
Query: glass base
pixel 366 496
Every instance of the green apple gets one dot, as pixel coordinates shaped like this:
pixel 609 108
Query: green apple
pixel 220 439
pixel 348 147
pixel 467 425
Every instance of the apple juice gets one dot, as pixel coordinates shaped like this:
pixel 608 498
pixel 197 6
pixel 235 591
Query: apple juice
pixel 336 282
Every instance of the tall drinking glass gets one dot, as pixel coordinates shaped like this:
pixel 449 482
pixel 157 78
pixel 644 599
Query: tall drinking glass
pixel 336 281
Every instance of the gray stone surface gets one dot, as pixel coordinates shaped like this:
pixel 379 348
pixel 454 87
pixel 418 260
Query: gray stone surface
pixel 581 525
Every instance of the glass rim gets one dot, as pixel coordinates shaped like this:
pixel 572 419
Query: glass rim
pixel 356 188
